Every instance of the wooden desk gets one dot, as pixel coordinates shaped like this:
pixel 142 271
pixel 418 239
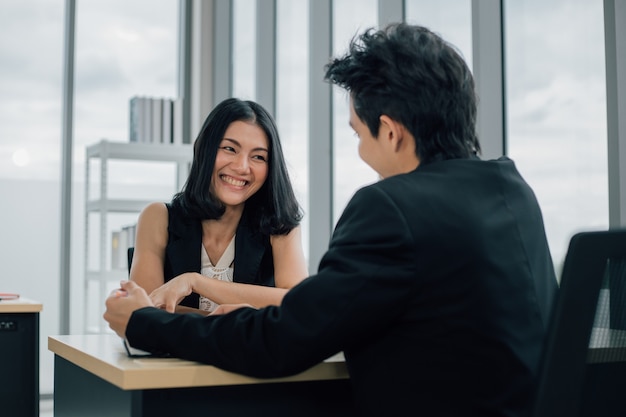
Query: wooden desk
pixel 21 305
pixel 94 376
pixel 19 350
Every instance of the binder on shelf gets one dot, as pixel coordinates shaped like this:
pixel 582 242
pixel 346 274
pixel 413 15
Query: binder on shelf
pixel 115 249
pixel 135 119
pixel 146 134
pixel 157 120
pixel 167 121
pixel 121 240
pixel 177 121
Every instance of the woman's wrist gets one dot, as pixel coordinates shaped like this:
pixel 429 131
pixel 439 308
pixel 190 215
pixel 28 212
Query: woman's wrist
pixel 191 280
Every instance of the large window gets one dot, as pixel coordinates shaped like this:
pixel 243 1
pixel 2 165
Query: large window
pixel 451 19
pixel 244 53
pixel 31 54
pixel 350 172
pixel 292 102
pixel 556 111
pixel 123 50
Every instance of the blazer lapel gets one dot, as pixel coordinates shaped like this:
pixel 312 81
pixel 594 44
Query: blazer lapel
pixel 183 250
pixel 249 250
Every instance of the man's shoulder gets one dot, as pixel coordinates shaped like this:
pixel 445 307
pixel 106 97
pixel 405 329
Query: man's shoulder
pixel 432 177
pixel 455 169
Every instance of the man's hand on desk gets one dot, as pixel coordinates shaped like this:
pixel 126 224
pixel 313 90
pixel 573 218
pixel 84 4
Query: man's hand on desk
pixel 121 304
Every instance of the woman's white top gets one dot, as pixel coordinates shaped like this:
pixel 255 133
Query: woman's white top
pixel 223 271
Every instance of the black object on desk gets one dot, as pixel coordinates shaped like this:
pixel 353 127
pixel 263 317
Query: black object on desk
pixel 19 358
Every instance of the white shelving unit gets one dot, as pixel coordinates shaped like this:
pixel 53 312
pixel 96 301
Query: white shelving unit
pixel 102 206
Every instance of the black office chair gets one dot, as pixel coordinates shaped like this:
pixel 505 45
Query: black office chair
pixel 577 378
pixel 129 254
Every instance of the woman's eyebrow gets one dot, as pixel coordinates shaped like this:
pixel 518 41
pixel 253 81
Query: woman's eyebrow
pixel 236 142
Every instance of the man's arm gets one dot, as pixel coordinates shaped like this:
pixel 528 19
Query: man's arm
pixel 363 285
pixel 122 303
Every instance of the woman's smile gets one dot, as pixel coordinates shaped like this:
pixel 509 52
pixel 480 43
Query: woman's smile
pixel 233 181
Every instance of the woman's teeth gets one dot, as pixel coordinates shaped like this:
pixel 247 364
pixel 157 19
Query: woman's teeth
pixel 231 180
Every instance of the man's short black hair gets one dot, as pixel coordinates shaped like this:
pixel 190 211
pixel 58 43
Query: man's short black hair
pixel 415 77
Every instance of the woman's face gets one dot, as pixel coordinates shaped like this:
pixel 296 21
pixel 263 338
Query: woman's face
pixel 241 163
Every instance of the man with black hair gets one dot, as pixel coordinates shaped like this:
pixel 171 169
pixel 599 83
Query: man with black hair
pixel 438 281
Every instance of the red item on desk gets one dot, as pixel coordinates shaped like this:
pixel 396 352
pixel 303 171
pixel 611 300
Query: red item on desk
pixel 8 296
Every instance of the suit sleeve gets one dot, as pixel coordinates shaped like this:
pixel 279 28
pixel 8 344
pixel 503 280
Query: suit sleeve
pixel 364 282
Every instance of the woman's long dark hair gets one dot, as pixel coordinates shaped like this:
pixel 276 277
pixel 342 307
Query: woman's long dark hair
pixel 273 208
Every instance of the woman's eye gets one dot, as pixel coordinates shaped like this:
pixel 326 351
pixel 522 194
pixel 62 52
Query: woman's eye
pixel 259 158
pixel 228 148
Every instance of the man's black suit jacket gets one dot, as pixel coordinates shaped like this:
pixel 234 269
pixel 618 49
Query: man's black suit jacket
pixel 437 285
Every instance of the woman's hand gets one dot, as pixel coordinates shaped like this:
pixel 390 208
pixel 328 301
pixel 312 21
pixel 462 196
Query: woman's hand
pixel 227 308
pixel 168 295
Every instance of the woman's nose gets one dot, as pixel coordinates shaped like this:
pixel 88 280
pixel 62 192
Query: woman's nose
pixel 241 163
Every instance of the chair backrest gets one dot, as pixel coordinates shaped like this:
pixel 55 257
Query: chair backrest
pixel 129 254
pixel 590 302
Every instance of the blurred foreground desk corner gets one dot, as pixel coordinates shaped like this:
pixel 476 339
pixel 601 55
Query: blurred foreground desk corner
pixel 19 350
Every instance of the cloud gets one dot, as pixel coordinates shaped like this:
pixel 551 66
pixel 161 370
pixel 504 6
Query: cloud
pixel 123 48
pixel 30 48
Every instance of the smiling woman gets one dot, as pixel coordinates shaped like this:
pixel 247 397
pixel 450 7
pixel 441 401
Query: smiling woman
pixel 234 223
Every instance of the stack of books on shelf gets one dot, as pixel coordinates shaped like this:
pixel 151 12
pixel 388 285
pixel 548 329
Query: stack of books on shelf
pixel 156 120
pixel 121 240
